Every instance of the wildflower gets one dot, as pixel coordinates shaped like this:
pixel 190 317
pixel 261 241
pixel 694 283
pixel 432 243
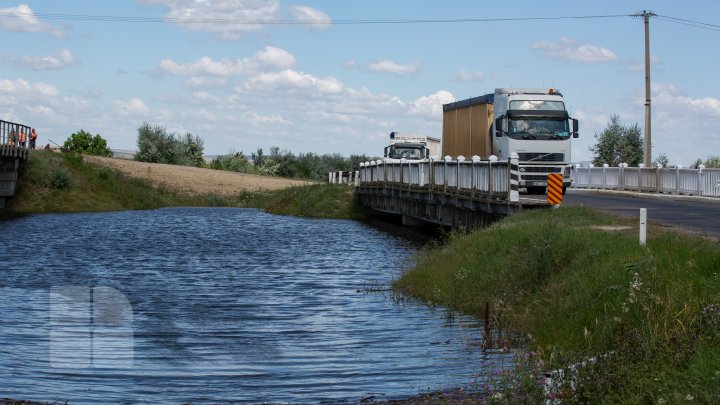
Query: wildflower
pixel 689 397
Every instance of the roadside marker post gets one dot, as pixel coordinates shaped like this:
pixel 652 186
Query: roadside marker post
pixel 643 226
pixel 554 189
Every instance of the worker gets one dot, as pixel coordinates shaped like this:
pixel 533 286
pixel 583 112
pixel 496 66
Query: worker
pixel 22 138
pixel 33 139
pixel 13 138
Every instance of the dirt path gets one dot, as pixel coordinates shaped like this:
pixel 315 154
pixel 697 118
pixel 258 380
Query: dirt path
pixel 194 180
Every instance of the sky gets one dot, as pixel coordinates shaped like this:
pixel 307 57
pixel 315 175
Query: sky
pixel 337 76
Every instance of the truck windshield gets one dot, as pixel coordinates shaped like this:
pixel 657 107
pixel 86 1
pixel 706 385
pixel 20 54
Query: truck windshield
pixel 539 128
pixel 407 152
pixel 545 105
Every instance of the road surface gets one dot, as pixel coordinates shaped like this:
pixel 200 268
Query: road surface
pixel 697 214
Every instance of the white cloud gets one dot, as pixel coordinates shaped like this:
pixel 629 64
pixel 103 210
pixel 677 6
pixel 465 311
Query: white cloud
pixel 668 96
pixel 133 108
pixel 432 105
pixel 465 76
pixel 60 60
pixel 275 57
pixel 270 57
pixel 315 19
pixel 205 66
pixel 386 66
pixel 22 19
pixel 569 50
pixel 291 80
pixel 237 17
pixel 23 90
pixel 273 119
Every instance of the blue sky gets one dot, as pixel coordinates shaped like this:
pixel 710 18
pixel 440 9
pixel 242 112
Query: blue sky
pixel 329 87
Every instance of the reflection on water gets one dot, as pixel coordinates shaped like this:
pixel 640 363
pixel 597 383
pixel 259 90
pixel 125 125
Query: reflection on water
pixel 215 305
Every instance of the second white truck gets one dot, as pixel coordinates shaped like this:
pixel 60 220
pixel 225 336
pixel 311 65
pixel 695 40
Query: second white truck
pixel 412 147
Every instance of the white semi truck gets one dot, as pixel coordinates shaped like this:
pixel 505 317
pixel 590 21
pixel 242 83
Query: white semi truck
pixel 412 147
pixel 533 123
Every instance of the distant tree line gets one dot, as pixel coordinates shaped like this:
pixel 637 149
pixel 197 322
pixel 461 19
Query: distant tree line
pixel 284 163
pixel 156 145
pixel 712 162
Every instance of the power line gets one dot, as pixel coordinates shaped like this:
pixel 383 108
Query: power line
pixel 175 20
pixel 690 23
pixel 698 23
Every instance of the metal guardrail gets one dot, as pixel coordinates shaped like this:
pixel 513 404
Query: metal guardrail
pixel 343 177
pixel 14 139
pixel 700 181
pixel 485 179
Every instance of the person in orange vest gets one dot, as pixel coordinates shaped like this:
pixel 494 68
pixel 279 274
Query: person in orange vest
pixel 12 138
pixel 22 138
pixel 33 138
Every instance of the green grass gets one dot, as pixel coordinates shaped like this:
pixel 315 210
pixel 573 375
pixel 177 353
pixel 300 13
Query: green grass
pixel 573 291
pixel 54 182
pixel 313 201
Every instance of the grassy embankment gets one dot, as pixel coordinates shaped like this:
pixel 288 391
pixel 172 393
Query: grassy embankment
pixel 55 182
pixel 575 289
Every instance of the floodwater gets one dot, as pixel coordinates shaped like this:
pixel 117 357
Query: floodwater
pixel 205 305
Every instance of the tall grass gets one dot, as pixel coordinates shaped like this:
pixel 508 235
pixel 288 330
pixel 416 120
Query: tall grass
pixel 314 201
pixel 650 316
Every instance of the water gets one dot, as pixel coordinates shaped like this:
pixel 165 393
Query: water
pixel 217 305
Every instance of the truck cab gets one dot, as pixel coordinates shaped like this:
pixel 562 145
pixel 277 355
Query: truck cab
pixel 411 147
pixel 535 124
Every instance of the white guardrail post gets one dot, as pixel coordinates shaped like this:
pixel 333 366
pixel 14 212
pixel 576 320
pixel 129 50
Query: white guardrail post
pixel 491 180
pixel 700 182
pixel 514 178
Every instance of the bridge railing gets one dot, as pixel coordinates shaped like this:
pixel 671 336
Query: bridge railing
pixel 14 139
pixel 488 179
pixel 670 180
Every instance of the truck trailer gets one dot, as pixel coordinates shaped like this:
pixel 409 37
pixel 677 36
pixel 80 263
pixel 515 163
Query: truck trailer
pixel 530 122
pixel 412 147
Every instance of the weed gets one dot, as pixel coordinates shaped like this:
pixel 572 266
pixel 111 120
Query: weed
pixel 60 179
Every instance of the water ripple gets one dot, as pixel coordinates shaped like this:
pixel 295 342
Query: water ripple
pixel 222 305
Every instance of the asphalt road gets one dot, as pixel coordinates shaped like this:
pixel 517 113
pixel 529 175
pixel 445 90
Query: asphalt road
pixel 701 215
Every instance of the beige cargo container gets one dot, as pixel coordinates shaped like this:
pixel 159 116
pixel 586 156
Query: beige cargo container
pixel 466 127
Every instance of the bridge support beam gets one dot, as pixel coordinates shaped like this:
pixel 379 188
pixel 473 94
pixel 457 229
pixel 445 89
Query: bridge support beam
pixel 422 207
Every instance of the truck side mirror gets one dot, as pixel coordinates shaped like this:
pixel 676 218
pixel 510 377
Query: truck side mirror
pixel 575 128
pixel 499 130
pixel 386 151
pixel 427 153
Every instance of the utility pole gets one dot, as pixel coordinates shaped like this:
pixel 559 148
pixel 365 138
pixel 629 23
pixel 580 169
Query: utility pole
pixel 647 153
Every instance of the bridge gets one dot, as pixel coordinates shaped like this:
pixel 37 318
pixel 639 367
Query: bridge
pixel 14 151
pixel 452 192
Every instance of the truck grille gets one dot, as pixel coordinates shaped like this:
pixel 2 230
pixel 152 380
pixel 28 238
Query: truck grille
pixel 541 169
pixel 534 177
pixel 541 157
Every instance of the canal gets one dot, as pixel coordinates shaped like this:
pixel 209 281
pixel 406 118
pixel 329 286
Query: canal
pixel 201 305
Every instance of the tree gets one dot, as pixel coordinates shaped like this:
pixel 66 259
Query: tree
pixel 85 143
pixel 155 145
pixel 661 160
pixel 617 144
pixel 710 162
pixel 192 150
